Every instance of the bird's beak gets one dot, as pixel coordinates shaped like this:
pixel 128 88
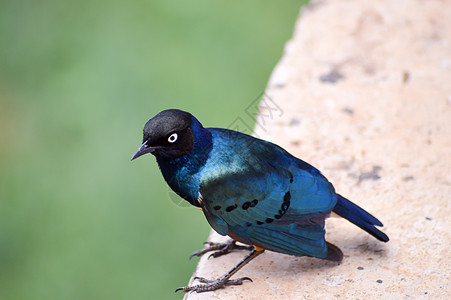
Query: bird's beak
pixel 144 149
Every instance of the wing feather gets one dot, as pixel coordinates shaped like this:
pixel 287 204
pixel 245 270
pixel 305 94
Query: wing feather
pixel 274 202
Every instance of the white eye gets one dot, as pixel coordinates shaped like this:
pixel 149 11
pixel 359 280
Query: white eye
pixel 172 138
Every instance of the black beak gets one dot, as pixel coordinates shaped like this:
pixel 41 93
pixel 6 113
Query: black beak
pixel 144 149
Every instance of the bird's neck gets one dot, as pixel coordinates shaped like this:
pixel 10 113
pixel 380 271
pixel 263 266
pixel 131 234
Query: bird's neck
pixel 181 173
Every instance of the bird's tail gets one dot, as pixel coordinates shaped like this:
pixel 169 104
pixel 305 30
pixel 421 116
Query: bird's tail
pixel 358 216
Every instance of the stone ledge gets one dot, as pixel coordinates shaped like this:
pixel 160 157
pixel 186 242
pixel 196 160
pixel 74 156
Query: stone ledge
pixel 364 91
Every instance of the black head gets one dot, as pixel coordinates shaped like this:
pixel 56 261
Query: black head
pixel 168 134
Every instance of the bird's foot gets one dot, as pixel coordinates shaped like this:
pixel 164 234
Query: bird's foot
pixel 222 248
pixel 212 285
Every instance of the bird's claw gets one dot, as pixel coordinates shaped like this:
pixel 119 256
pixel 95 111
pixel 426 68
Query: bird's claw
pixel 210 247
pixel 212 285
pixel 222 248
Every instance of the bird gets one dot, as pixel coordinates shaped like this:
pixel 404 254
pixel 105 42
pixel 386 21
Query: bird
pixel 249 189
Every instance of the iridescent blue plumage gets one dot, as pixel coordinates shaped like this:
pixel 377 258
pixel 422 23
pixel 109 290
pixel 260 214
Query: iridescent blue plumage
pixel 250 189
pixel 261 195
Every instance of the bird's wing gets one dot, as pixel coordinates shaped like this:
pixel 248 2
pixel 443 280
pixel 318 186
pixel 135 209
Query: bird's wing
pixel 276 206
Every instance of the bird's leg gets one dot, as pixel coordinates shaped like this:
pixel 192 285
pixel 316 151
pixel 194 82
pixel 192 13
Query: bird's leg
pixel 222 248
pixel 223 281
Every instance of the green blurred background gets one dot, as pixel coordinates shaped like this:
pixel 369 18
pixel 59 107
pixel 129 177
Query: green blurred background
pixel 78 80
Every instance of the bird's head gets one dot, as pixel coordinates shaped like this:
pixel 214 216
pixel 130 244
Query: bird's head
pixel 168 134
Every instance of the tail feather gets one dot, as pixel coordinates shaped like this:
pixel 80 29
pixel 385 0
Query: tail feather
pixel 333 253
pixel 358 216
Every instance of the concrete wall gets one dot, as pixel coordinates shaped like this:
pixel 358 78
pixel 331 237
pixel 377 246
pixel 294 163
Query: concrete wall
pixel 363 92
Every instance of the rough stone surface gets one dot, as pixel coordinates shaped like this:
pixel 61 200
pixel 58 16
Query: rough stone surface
pixel 363 92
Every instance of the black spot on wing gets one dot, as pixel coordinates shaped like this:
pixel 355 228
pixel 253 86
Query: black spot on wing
pixel 217 207
pixel 231 207
pixel 280 214
pixel 287 197
pixel 254 202
pixel 284 207
pixel 246 205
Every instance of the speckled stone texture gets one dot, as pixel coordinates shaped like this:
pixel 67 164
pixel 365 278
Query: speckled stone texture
pixel 363 92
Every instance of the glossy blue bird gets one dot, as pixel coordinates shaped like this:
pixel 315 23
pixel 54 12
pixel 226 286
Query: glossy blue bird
pixel 249 189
